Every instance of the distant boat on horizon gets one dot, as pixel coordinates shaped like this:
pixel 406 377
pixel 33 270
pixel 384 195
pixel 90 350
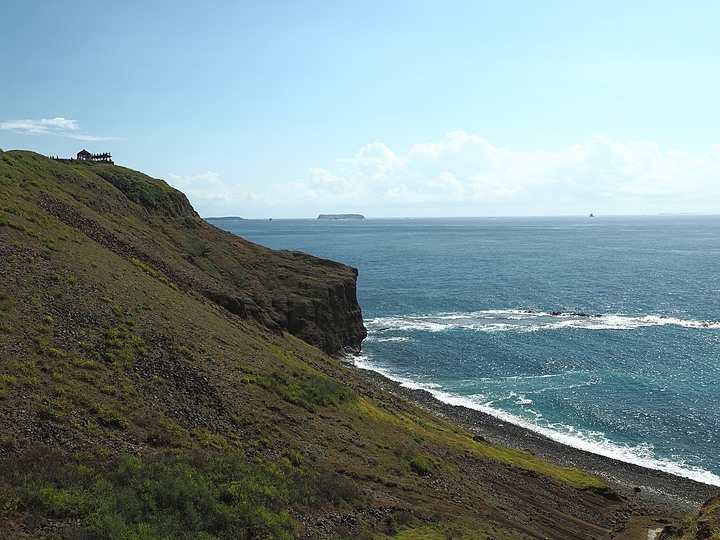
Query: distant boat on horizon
pixel 591 215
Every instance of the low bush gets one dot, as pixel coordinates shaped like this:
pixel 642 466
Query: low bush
pixel 307 390
pixel 420 466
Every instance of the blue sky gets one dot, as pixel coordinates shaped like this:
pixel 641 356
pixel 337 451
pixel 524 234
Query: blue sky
pixel 385 108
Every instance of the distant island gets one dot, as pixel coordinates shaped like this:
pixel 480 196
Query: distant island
pixel 341 216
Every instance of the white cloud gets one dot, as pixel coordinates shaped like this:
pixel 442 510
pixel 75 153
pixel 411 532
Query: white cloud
pixel 205 186
pixel 467 171
pixel 40 127
pixel 375 163
pixel 465 174
pixel 58 127
pixel 210 195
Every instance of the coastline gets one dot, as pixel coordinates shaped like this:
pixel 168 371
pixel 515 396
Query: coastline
pixel 651 487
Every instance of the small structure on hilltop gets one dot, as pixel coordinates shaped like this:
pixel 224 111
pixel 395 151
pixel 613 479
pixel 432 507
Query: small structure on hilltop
pixel 84 155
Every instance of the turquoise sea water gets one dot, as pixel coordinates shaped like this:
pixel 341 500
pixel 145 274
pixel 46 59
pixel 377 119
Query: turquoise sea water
pixel 603 333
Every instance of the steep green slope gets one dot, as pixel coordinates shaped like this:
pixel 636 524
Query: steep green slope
pixel 160 378
pixel 143 219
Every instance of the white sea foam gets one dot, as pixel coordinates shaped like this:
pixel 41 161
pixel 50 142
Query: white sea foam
pixel 590 441
pixel 527 321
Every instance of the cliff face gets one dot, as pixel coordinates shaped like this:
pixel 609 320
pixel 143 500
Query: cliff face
pixel 310 298
pixel 328 317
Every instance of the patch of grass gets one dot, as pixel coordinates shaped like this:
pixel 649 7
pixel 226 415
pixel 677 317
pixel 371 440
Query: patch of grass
pixel 153 273
pixel 136 187
pixel 167 434
pixel 307 390
pixel 6 379
pixel 109 390
pixel 444 434
pixel 44 348
pixel 421 532
pixel 86 364
pixel 145 267
pixel 121 347
pixel 70 502
pixel 420 466
pixel 111 418
pixel 182 351
pixel 43 345
pixel 209 439
pixel 32 382
pixel 228 497
pixel 525 460
pixel 50 412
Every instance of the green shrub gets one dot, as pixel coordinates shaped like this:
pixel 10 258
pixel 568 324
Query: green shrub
pixel 136 188
pixel 420 466
pixel 307 390
pixel 112 418
pixel 323 488
pixel 64 502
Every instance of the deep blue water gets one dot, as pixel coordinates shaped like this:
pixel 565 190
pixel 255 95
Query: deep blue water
pixel 602 333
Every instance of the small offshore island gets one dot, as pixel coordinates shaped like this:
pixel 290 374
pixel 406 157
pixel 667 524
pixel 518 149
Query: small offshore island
pixel 341 216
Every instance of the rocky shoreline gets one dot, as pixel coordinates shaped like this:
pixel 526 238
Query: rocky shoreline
pixel 658 489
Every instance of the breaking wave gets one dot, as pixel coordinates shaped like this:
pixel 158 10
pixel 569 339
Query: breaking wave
pixel 526 321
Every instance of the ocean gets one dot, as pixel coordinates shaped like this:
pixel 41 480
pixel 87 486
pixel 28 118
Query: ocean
pixel 602 333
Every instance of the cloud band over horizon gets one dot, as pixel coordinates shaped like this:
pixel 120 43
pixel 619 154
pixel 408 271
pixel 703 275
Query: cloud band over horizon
pixel 466 173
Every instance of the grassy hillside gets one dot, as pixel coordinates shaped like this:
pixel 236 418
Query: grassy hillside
pixel 160 378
